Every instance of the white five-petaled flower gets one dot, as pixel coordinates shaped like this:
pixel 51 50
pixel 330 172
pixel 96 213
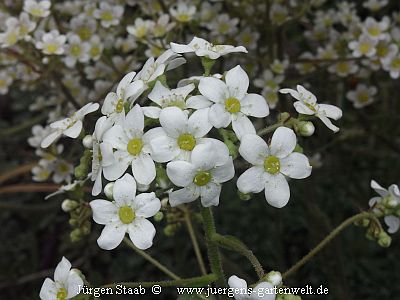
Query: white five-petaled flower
pixel 392 196
pixel 37 8
pixel 232 103
pixel 71 126
pixel 202 47
pixel 307 105
pixel 165 97
pixel 128 213
pixel 271 164
pixel 364 46
pixel 132 148
pixel 362 95
pixel 52 43
pixel 202 176
pixel 179 134
pixel 66 284
pixel 263 290
pixel 114 104
pixel 102 153
pixel 109 15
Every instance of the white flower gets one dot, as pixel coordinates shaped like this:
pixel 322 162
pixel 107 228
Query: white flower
pixel 165 97
pixel 66 284
pixel 102 155
pixel 307 105
pixel 343 68
pixel 232 102
pixel 375 5
pixel 364 46
pixel 269 81
pixel 114 104
pixel 132 148
pixel 62 171
pixel 108 15
pixel 76 50
pixel 42 171
pixel 202 47
pixel 392 196
pixel 11 36
pixel 25 25
pixel 163 26
pixel 279 66
pixel 96 47
pixel 39 133
pixel 179 134
pixel 223 25
pixel 392 65
pixel 52 43
pixel 376 30
pixel 362 95
pixel 128 213
pixel 71 126
pixel 202 176
pixel 141 28
pixel 39 9
pixel 271 164
pixel 263 290
pixel 182 12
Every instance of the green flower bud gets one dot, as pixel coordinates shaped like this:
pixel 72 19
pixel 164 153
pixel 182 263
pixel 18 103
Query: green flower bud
pixel 305 128
pixel 384 240
pixel 158 216
pixel 274 277
pixel 82 170
pixel 243 196
pixel 169 230
pixel 75 235
pixel 207 64
pixel 86 228
pixel 68 205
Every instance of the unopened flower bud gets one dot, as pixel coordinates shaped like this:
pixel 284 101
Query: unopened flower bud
pixel 158 216
pixel 164 202
pixel 243 196
pixel 384 240
pixel 45 60
pixel 75 235
pixel 68 205
pixel 305 128
pixel 108 190
pixel 88 141
pixel 274 277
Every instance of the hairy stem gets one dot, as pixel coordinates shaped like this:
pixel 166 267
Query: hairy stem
pixel 150 259
pixel 194 242
pixel 326 241
pixel 214 256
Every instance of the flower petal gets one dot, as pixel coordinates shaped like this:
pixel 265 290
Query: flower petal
pixel 331 111
pixel 213 89
pixel 141 232
pixel 146 205
pixel 393 223
pixel 174 121
pixel 204 156
pixel 111 236
pixel 241 125
pixel 134 121
pixel 144 169
pixel 75 283
pixel 104 211
pixel 198 123
pixel 252 180
pixel 116 137
pixel 124 190
pixel 223 173
pixel 253 149
pixel 295 165
pixel 74 130
pixel 48 290
pixel 301 108
pixel 118 168
pixel 328 123
pixel 198 102
pixel 237 82
pixel 181 173
pixel 254 105
pixel 185 195
pixel 218 116
pixel 283 142
pixel 277 192
pixel 210 194
pixel 62 270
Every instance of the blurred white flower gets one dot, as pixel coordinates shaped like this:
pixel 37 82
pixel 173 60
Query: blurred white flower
pixel 52 43
pixel 108 15
pixel 39 8
pixel 182 12
pixel 362 95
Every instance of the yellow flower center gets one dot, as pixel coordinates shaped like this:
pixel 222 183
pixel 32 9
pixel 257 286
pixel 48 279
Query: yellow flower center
pixel 63 168
pixel 106 16
pixel 364 48
pixel 382 50
pixel 202 178
pixel 186 142
pixel 272 164
pixel 84 33
pixel 135 146
pixel 363 97
pixel 94 51
pixel 62 294
pixel 126 214
pixel 76 50
pixel 51 48
pixel 343 67
pixel 395 63
pixel 12 38
pixel 183 18
pixel 232 105
pixel 120 106
pixel 374 31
